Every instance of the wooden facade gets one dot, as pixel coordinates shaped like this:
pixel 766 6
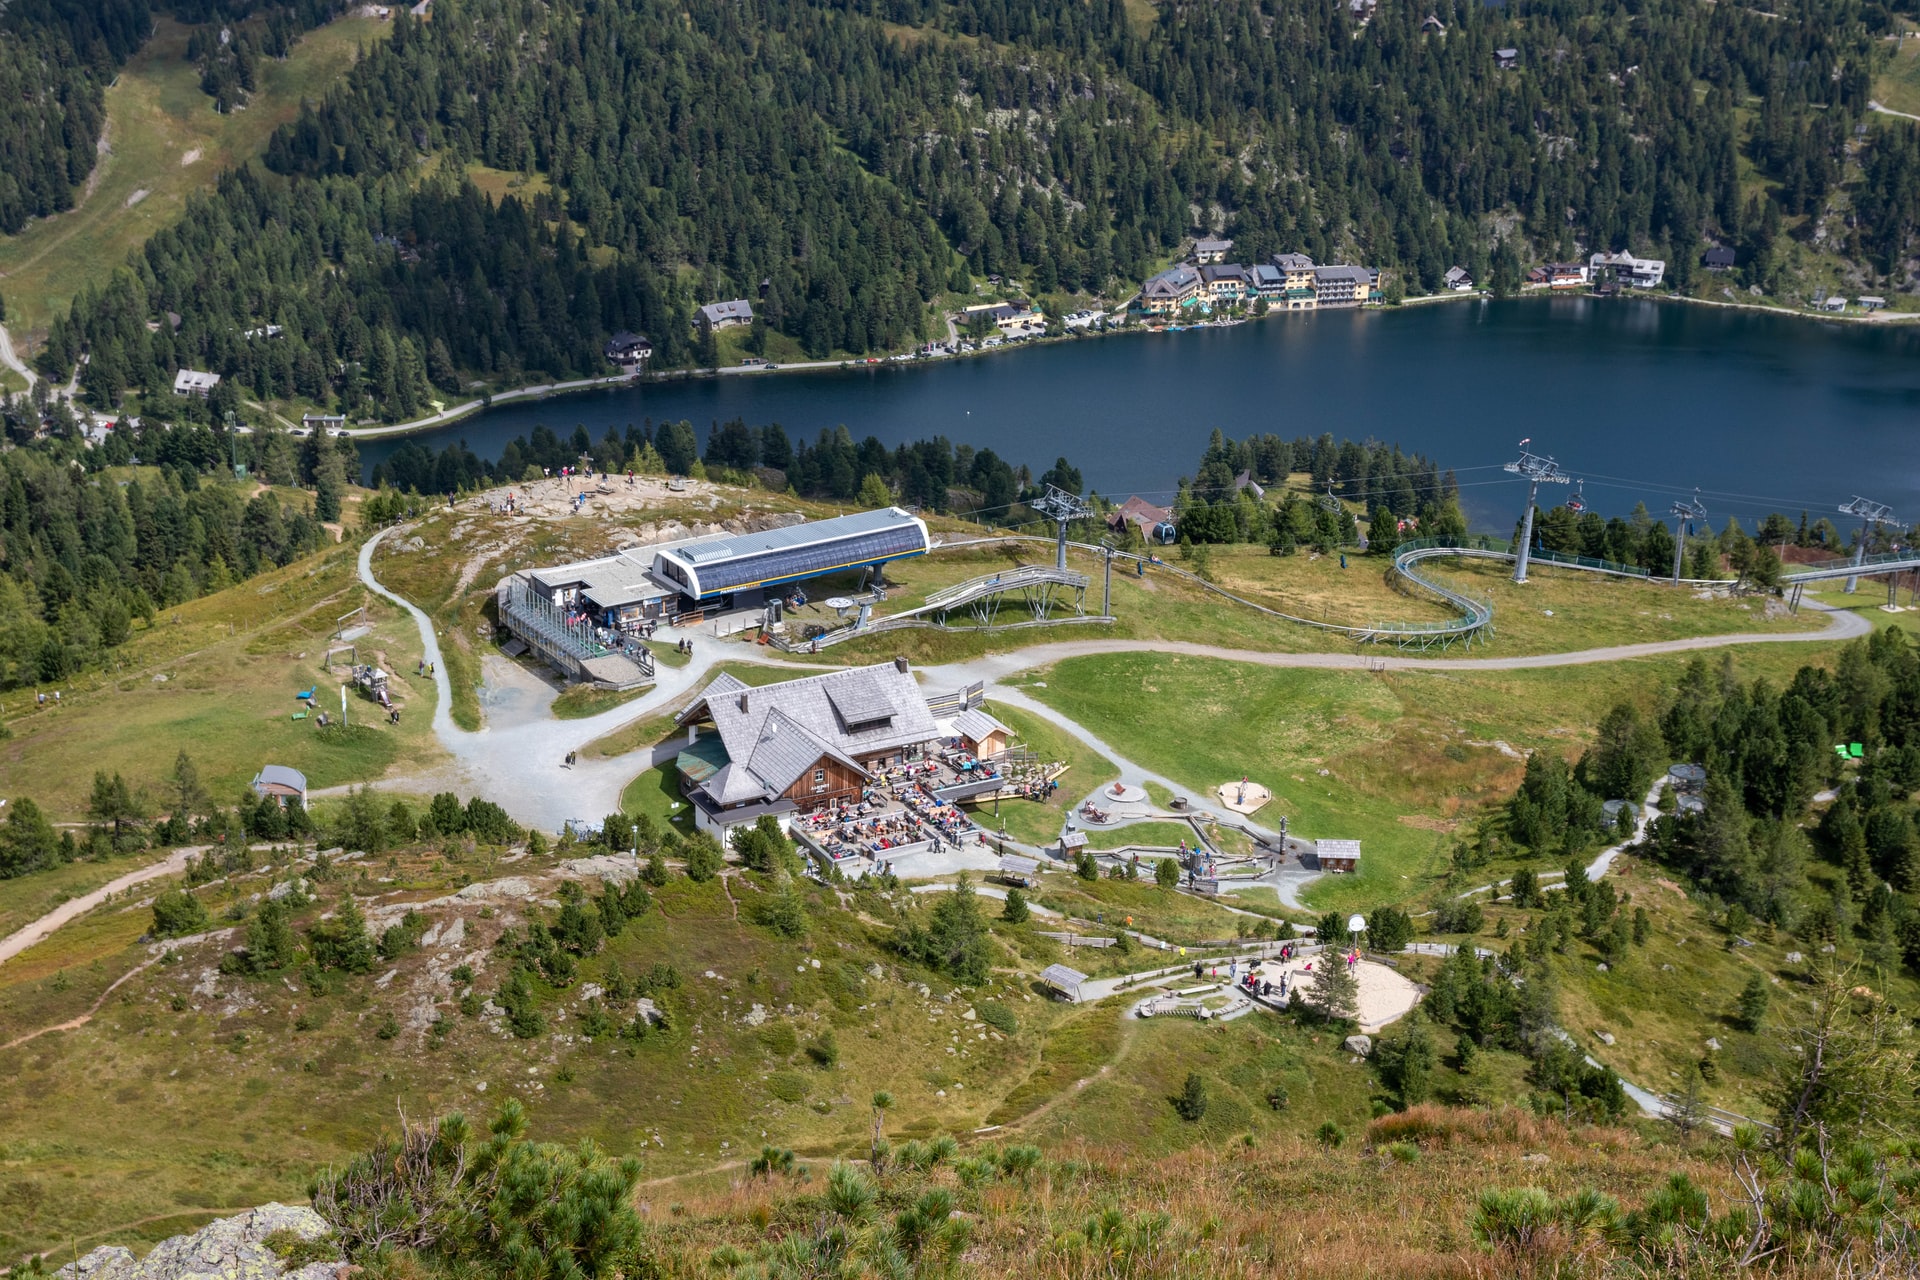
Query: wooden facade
pixel 827 782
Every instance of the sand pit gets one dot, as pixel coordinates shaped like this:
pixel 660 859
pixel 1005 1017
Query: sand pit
pixel 1386 995
pixel 1243 798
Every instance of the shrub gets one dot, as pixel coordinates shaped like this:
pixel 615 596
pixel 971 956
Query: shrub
pixel 494 1202
pixel 780 1039
pixel 704 858
pixel 789 1086
pixel 824 1050
pixel 1514 1220
pixel 1190 1104
pixel 1277 1097
pixel 1329 1134
pixel 1404 1152
pixel 1455 916
pixel 295 1250
pixel 177 913
pixel 998 1016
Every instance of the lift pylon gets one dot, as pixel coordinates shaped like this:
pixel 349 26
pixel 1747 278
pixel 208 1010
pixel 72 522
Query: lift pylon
pixel 1536 470
pixel 1871 513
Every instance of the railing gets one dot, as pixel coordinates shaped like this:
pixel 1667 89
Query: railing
pixel 988 584
pixel 548 622
pixel 1867 567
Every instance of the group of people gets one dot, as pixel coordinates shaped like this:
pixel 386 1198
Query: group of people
pixel 853 830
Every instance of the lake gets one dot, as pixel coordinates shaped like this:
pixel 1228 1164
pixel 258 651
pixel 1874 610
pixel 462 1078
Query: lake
pixel 1643 400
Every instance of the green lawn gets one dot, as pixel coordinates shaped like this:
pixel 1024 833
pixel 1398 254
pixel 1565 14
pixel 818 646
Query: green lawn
pixel 1169 834
pixel 1898 85
pixel 1557 611
pixel 167 143
pixel 1167 914
pixel 1397 760
pixel 657 792
pixel 24 899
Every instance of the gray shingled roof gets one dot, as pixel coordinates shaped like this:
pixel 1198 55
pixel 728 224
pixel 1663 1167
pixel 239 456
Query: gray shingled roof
pixel 975 725
pixel 776 733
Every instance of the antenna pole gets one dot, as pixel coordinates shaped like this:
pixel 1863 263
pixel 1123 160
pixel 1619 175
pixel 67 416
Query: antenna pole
pixel 1536 470
pixel 1871 513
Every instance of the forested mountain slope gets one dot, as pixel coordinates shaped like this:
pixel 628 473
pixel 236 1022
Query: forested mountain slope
pixel 55 58
pixel 846 165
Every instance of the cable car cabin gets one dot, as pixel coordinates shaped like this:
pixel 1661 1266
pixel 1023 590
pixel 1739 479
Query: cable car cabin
pixel 1164 533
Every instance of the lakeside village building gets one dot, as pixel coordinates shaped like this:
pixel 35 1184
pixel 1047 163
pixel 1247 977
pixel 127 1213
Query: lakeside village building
pixel 585 619
pixel 1291 282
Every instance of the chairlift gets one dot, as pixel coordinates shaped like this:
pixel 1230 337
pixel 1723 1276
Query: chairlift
pixel 1578 502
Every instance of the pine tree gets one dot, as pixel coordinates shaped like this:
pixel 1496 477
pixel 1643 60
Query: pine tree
pixel 270 941
pixel 1335 994
pixel 1015 912
pixel 703 856
pixel 1753 1003
pixel 342 942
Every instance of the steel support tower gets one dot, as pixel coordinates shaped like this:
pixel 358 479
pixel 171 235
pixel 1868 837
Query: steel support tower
pixel 1871 513
pixel 1536 470
pixel 1062 508
pixel 1682 513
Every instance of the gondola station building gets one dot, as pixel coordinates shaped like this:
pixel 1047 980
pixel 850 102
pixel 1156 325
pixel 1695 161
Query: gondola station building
pixel 572 614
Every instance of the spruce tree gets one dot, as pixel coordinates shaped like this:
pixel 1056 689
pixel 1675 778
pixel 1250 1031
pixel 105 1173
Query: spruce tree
pixel 1335 994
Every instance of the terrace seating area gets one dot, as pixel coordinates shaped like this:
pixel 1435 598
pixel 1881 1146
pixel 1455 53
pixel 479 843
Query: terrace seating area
pixel 901 813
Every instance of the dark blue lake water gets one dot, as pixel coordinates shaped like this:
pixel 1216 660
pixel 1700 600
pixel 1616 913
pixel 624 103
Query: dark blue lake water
pixel 1643 400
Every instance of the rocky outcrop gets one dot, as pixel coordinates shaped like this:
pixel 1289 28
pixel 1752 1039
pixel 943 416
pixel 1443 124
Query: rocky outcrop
pixel 231 1249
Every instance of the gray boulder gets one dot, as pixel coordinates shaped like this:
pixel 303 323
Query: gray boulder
pixel 1362 1045
pixel 229 1249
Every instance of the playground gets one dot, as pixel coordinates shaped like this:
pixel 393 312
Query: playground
pixel 1386 995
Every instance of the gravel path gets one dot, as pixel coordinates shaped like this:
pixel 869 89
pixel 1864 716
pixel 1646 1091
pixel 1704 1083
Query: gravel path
pixel 74 908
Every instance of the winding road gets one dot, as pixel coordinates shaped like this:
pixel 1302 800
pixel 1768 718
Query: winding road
pixel 13 361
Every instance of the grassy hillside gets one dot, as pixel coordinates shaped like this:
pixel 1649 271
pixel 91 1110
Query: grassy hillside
pixel 164 141
pixel 216 678
pixel 1397 759
pixel 192 1089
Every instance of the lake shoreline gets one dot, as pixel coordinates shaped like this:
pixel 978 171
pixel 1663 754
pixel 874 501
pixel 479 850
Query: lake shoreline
pixel 538 392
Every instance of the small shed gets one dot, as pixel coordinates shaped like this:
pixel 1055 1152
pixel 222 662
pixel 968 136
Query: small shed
pixel 1720 258
pixel 1015 869
pixel 1072 842
pixel 1506 59
pixel 1338 855
pixel 282 783
pixel 1064 980
pixel 983 735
